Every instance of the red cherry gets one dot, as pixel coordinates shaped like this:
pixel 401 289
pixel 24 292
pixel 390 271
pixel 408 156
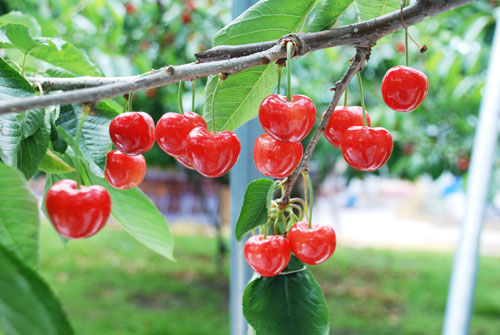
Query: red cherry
pixel 186 17
pixel 463 162
pixel 274 158
pixel 124 171
pixel 130 8
pixel 366 149
pixel 184 161
pixel 269 256
pixel 400 47
pixel 132 132
pixel 172 130
pixel 287 121
pixel 343 118
pixel 151 92
pixel 212 155
pixel 404 88
pixel 312 245
pixel 77 212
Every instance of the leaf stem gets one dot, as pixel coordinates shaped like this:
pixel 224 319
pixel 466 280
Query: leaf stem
pixel 181 109
pixel 362 98
pixel 289 46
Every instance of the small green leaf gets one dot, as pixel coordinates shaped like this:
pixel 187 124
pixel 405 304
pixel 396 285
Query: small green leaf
pixel 27 304
pixel 19 220
pixel 255 208
pixel 286 304
pixel 12 84
pixel 327 14
pixel 140 218
pixel 236 100
pixel 21 18
pixel 369 9
pixel 19 36
pixel 32 149
pixel 53 164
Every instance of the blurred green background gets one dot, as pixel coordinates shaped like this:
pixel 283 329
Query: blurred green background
pixel 110 284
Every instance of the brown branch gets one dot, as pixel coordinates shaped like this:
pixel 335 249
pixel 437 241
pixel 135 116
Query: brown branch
pixel 228 59
pixel 357 64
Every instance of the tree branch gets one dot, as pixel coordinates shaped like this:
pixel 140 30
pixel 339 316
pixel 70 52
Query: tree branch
pixel 228 59
pixel 357 64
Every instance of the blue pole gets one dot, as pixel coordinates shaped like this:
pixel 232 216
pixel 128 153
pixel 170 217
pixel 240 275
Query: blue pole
pixel 463 277
pixel 243 172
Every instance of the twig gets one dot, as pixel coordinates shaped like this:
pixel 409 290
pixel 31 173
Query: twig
pixel 229 59
pixel 358 62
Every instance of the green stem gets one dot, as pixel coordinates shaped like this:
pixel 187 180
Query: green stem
pixel 280 69
pixel 362 99
pixel 125 105
pixel 213 102
pixel 403 4
pixel 130 98
pixel 85 114
pixel 345 95
pixel 306 206
pixel 193 96
pixel 289 46
pixel 181 109
pixel 311 198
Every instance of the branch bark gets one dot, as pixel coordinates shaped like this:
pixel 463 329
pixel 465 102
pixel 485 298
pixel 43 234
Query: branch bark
pixel 357 64
pixel 228 59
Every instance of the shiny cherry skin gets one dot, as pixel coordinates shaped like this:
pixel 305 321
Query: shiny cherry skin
pixel 341 119
pixel 77 212
pixel 172 130
pixel 212 155
pixel 133 133
pixel 184 161
pixel 404 88
pixel 312 245
pixel 268 257
pixel 124 171
pixel 366 149
pixel 274 158
pixel 287 121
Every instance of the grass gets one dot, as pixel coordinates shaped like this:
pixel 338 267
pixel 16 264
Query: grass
pixel 111 284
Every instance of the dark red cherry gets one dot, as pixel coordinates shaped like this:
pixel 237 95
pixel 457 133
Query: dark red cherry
pixel 124 171
pixel 212 155
pixel 312 245
pixel 269 256
pixel 172 130
pixel 404 88
pixel 341 119
pixel 132 133
pixel 366 149
pixel 287 121
pixel 274 158
pixel 77 212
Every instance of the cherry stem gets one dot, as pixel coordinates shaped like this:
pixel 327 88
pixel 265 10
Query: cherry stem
pixel 407 34
pixel 130 98
pixel 362 99
pixel 213 102
pixel 345 95
pixel 193 96
pixel 85 114
pixel 280 69
pixel 181 108
pixel 289 46
pixel 311 199
pixel 306 206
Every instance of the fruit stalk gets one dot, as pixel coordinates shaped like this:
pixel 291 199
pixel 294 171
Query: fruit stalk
pixel 362 94
pixel 289 46
pixel 181 108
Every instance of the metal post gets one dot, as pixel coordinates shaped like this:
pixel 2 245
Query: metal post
pixel 463 277
pixel 243 172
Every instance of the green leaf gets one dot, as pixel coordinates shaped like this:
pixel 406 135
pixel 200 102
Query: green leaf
pixel 327 15
pixel 12 84
pixel 95 140
pixel 19 36
pixel 32 149
pixel 51 163
pixel 27 304
pixel 286 304
pixel 236 100
pixel 140 218
pixel 255 208
pixel 19 220
pixel 65 56
pixel 369 9
pixel 21 18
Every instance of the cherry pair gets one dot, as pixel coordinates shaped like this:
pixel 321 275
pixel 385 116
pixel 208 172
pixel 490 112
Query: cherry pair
pixel 187 139
pixel 278 152
pixel 269 256
pixel 363 148
pixel 133 133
